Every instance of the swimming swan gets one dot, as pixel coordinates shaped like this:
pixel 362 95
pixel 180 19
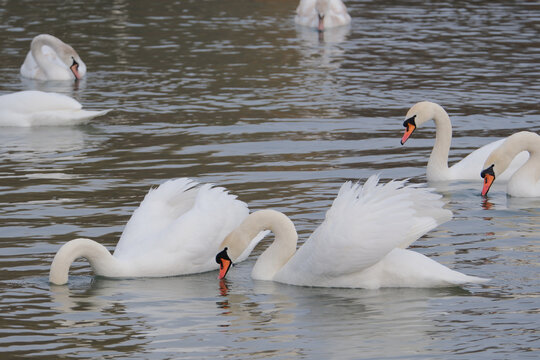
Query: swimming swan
pixel 38 108
pixel 176 230
pixel 50 58
pixel 525 182
pixel 322 14
pixel 437 168
pixel 361 243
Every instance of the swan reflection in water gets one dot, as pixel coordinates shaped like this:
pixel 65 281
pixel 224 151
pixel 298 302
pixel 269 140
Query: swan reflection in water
pixel 199 311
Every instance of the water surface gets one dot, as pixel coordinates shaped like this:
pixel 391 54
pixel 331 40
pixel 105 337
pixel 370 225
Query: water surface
pixel 233 93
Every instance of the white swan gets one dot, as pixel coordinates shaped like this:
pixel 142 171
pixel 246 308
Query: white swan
pixel 50 58
pixel 437 168
pixel 176 230
pixel 38 108
pixel 322 14
pixel 360 244
pixel 525 182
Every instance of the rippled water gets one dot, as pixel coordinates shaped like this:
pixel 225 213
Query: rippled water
pixel 231 92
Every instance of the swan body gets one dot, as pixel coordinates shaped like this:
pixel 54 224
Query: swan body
pixel 176 230
pixel 525 182
pixel 38 108
pixel 50 58
pixel 437 168
pixel 361 243
pixel 322 14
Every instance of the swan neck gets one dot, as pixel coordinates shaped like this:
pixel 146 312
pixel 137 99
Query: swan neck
pixel 101 260
pixel 438 160
pixel 512 146
pixel 36 49
pixel 282 248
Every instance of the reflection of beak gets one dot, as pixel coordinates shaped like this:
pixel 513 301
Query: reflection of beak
pixel 75 70
pixel 410 126
pixel 489 176
pixel 224 262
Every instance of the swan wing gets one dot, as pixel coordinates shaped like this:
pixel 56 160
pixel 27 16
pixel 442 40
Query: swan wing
pixel 179 229
pixel 364 224
pixel 471 165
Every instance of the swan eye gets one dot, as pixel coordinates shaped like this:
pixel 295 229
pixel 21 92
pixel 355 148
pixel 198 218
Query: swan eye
pixel 410 121
pixel 488 171
pixel 75 63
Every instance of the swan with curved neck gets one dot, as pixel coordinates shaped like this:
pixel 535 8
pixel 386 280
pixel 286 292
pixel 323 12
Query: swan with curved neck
pixel 525 182
pixel 322 14
pixel 50 58
pixel 176 230
pixel 437 168
pixel 360 244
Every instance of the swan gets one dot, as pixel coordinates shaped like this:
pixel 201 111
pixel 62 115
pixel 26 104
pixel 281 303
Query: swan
pixel 38 108
pixel 437 167
pixel 361 243
pixel 322 14
pixel 525 182
pixel 176 230
pixel 50 58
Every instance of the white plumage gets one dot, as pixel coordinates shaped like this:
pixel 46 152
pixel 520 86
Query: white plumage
pixel 38 108
pixel 322 14
pixel 50 58
pixel 360 244
pixel 176 230
pixel 468 168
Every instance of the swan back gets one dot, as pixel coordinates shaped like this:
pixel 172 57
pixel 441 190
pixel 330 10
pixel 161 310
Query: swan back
pixel 38 108
pixel 50 58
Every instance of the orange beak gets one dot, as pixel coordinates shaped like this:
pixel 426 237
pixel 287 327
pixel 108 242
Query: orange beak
pixel 410 126
pixel 75 70
pixel 489 176
pixel 224 262
pixel 488 181
pixel 224 268
pixel 320 27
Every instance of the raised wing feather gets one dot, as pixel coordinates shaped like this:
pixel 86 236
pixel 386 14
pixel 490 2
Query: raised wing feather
pixel 363 225
pixel 180 226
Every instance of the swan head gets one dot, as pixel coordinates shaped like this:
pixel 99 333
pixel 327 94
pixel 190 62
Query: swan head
pixel 418 114
pixel 488 174
pixel 59 53
pixel 224 262
pixel 73 61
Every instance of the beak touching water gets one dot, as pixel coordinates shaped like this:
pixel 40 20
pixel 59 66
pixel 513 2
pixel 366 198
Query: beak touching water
pixel 75 70
pixel 224 262
pixel 410 126
pixel 489 176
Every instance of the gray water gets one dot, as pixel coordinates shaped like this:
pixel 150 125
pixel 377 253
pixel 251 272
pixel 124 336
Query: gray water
pixel 233 93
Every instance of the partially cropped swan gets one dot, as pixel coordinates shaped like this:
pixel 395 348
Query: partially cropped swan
pixel 437 168
pixel 38 108
pixel 322 14
pixel 525 182
pixel 361 243
pixel 50 58
pixel 176 230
